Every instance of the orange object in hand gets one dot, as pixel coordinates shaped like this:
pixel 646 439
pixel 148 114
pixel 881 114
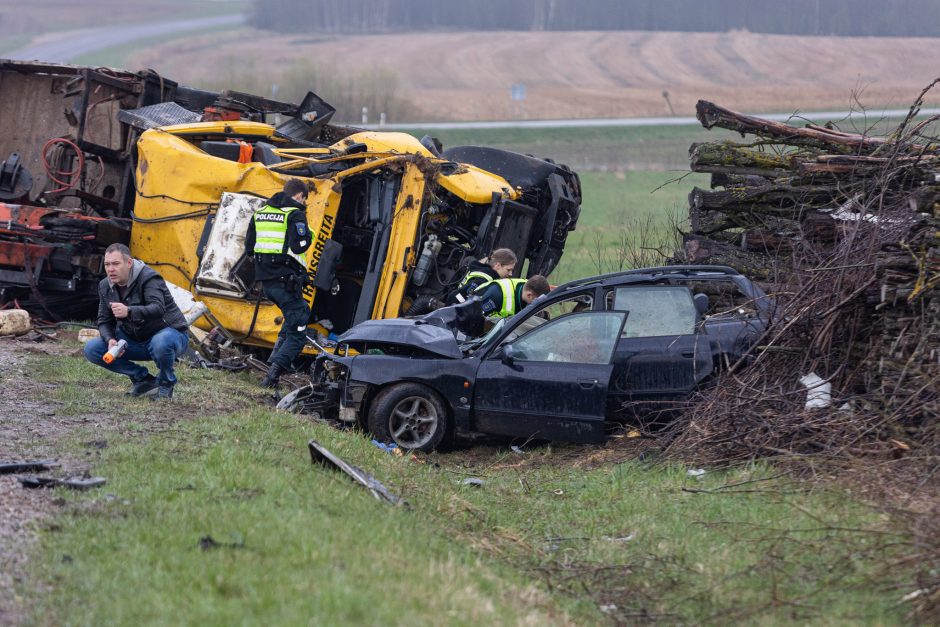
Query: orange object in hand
pixel 116 351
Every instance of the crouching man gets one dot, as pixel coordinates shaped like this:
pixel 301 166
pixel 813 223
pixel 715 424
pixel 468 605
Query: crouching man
pixel 135 305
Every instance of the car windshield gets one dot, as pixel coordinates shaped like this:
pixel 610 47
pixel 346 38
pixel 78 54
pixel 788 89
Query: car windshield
pixel 470 346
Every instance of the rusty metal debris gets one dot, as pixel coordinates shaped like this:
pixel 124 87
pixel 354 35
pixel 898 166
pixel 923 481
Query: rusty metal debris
pixel 67 157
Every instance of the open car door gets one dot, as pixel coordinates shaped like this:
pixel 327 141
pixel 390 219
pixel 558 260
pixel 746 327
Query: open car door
pixel 552 382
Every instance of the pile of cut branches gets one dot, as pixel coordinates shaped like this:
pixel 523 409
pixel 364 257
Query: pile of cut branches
pixel 844 230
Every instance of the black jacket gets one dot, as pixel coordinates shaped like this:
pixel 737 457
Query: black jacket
pixel 466 289
pixel 298 240
pixel 150 306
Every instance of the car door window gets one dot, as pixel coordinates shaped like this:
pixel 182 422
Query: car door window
pixel 577 303
pixel 656 311
pixel 583 337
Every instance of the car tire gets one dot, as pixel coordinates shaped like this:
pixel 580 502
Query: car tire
pixel 410 415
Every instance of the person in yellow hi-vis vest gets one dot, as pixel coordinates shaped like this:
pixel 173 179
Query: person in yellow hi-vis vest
pixel 500 264
pixel 506 297
pixel 278 238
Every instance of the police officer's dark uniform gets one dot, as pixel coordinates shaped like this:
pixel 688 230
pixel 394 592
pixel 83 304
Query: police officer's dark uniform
pixel 478 273
pixel 278 237
pixel 501 298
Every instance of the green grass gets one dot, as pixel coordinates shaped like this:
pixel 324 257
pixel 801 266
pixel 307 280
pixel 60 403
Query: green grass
pixel 117 56
pixel 623 213
pixel 543 541
pixel 58 15
pixel 8 43
pixel 615 148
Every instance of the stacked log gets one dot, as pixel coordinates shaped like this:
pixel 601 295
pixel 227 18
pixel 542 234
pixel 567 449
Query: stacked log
pixel 844 228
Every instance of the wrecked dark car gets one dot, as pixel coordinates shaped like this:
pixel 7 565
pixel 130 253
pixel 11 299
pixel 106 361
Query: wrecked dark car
pixel 561 369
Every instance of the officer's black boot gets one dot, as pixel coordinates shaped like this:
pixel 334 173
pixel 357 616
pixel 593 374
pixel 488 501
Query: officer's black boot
pixel 274 373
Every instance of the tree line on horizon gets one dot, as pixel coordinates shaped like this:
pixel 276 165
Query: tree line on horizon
pixel 867 18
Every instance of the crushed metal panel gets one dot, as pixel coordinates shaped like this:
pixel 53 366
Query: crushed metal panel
pixel 320 455
pixel 162 114
pixel 226 244
pixel 30 118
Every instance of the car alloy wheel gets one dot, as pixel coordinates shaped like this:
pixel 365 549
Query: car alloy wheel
pixel 411 415
pixel 413 422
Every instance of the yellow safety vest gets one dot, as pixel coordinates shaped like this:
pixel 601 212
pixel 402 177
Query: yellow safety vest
pixel 476 274
pixel 508 287
pixel 271 233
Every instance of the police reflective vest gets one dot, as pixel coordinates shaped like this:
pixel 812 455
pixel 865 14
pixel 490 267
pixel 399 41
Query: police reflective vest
pixel 475 274
pixel 508 287
pixel 271 233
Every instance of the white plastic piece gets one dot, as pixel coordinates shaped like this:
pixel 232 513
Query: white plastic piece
pixel 698 473
pixel 226 245
pixel 191 308
pixel 818 391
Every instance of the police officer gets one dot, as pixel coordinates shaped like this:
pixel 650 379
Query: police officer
pixel 278 237
pixel 505 297
pixel 499 265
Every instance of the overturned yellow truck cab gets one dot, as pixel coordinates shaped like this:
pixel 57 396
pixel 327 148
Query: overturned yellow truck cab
pixel 395 219
pixel 93 156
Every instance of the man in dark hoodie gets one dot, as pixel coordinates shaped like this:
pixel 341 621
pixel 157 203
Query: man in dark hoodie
pixel 135 305
pixel 279 237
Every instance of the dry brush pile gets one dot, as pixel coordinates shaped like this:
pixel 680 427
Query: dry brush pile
pixel 843 228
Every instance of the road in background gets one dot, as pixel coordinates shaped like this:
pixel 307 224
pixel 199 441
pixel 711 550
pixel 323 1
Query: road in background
pixel 66 46
pixel 810 116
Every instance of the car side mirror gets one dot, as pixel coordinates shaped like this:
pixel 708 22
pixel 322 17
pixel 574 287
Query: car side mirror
pixel 507 354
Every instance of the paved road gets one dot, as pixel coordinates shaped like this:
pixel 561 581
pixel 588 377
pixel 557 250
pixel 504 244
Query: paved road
pixel 815 116
pixel 66 46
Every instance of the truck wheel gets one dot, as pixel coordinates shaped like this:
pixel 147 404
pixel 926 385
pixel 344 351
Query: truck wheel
pixel 410 415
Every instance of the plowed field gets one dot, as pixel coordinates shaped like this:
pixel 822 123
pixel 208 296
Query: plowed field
pixel 467 76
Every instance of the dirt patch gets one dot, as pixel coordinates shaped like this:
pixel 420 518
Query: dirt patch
pixel 21 436
pixel 35 426
pixel 580 74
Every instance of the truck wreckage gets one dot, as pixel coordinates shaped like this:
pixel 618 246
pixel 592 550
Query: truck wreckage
pixel 93 156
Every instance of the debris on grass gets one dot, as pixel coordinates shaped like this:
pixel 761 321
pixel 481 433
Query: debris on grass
pixel 319 454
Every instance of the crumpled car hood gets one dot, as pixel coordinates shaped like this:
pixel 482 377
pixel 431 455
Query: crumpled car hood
pixel 405 332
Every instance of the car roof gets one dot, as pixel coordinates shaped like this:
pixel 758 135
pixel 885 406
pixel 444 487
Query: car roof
pixel 642 275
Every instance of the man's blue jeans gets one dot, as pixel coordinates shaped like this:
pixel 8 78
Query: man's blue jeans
pixel 163 349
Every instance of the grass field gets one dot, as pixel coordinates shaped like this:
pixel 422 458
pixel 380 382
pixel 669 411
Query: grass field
pixel 556 534
pixel 12 42
pixel 614 148
pixel 119 55
pixel 627 218
pixel 19 18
